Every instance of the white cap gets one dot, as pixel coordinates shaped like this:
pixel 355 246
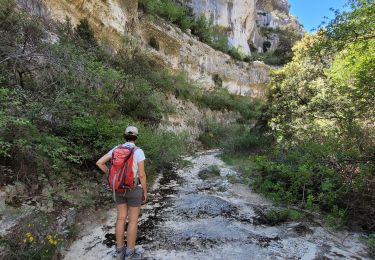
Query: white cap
pixel 131 130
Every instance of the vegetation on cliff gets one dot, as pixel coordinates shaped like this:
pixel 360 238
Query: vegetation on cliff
pixel 217 36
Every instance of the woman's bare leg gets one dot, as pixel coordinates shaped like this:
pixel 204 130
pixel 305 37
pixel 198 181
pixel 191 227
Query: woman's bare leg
pixel 131 235
pixel 122 212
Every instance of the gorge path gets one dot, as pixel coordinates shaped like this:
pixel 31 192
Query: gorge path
pixel 192 216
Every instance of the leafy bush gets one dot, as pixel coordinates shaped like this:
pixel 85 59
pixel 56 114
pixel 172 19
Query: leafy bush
pixel 74 105
pixel 231 178
pixel 235 138
pixel 210 172
pixel 320 112
pixel 274 217
pixel 371 244
pixel 221 99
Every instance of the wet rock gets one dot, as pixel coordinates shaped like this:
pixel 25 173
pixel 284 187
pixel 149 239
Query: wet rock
pixel 110 240
pixel 200 205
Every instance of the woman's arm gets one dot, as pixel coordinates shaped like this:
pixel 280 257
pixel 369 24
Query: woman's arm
pixel 142 178
pixel 101 163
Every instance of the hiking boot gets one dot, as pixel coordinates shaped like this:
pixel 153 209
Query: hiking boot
pixel 120 253
pixel 133 254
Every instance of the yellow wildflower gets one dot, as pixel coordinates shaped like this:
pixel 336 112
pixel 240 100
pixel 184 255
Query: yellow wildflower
pixel 52 240
pixel 28 234
pixel 31 239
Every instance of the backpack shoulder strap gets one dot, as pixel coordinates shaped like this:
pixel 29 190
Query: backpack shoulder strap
pixel 114 149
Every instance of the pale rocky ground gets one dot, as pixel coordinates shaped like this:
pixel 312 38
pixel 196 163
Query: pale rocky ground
pixel 190 218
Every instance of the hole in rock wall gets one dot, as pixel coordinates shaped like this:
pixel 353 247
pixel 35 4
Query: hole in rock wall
pixel 154 43
pixel 266 46
pixel 217 80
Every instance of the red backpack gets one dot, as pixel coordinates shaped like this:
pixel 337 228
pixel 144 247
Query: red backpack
pixel 121 176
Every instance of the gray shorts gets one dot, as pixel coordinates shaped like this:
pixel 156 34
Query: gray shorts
pixel 132 198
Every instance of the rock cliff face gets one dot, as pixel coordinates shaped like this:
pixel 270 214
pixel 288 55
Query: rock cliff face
pixel 208 67
pixel 114 20
pixel 110 19
pixel 244 18
pixel 238 16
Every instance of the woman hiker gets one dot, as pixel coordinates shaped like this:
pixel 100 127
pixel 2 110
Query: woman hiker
pixel 128 203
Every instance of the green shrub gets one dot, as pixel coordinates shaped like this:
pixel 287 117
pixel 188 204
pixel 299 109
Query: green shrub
pixel 233 139
pixel 163 149
pixel 275 217
pixel 211 171
pixel 84 35
pixel 221 99
pixel 62 117
pixel 231 178
pixel 336 219
pixel 371 244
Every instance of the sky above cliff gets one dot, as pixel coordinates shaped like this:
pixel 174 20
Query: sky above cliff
pixel 311 13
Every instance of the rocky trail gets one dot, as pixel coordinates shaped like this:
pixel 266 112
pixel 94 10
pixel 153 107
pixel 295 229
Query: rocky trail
pixel 193 216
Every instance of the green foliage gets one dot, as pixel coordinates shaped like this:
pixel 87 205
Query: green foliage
pixel 354 26
pixel 243 163
pixel 320 109
pixel 283 52
pixel 371 244
pixel 163 149
pixel 275 217
pixel 296 177
pixel 85 35
pixel 236 53
pixel 269 58
pixel 211 171
pixel 233 138
pixel 35 238
pixel 167 9
pixel 231 178
pixel 73 231
pixel 75 104
pixel 221 99
pixel 336 219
